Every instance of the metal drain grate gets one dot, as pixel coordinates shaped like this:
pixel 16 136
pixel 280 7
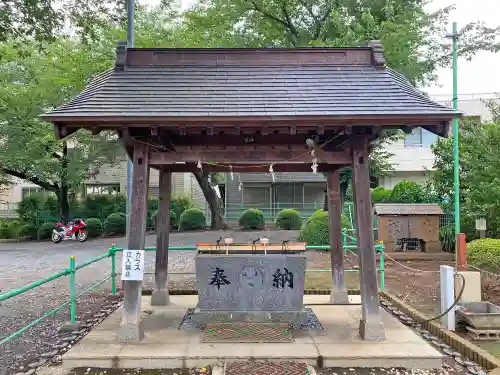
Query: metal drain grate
pixel 247 332
pixel 266 368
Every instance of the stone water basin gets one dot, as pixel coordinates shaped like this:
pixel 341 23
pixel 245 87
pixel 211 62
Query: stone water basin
pixel 480 315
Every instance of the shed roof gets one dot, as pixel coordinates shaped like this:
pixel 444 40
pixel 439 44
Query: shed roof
pixel 407 209
pixel 267 83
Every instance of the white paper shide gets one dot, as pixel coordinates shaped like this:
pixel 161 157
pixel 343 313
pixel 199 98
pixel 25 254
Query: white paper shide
pixel 133 265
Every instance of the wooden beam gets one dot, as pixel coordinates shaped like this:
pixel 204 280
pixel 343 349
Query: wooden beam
pixel 248 156
pixel 130 328
pixel 370 326
pixel 160 295
pixel 239 140
pixel 248 168
pixel 339 293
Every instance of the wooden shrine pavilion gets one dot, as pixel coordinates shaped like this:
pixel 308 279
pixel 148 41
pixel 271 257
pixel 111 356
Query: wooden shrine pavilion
pixel 243 110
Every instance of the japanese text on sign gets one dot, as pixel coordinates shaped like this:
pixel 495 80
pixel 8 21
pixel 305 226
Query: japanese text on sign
pixel 133 265
pixel 281 279
pixel 218 278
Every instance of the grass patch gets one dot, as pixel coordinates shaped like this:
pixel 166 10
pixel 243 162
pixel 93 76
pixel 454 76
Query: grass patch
pixel 492 346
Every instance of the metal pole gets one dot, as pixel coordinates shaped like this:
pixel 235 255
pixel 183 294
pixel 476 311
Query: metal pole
pixel 130 44
pixel 72 289
pixel 456 157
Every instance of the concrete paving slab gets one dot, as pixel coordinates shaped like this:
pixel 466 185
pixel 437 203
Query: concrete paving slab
pixel 164 346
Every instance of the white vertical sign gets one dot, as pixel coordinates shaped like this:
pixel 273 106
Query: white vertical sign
pixel 447 286
pixel 133 265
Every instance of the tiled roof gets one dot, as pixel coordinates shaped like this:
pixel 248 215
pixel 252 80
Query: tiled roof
pixel 189 86
pixel 407 209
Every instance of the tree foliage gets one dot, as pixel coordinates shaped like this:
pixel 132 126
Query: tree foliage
pixel 479 173
pixel 33 80
pixel 412 37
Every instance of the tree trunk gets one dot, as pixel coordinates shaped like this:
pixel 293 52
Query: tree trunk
pixel 63 193
pixel 214 202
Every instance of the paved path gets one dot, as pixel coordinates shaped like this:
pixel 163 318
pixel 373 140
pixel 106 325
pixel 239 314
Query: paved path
pixel 22 263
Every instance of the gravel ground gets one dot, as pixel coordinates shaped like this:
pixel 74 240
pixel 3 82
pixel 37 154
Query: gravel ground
pixel 23 263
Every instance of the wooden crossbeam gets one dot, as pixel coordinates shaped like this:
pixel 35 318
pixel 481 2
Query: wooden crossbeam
pixel 249 156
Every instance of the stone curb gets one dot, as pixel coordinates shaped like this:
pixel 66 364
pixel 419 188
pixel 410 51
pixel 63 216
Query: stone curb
pixel 192 292
pixel 463 346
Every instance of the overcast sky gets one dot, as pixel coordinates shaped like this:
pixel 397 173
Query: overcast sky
pixel 482 74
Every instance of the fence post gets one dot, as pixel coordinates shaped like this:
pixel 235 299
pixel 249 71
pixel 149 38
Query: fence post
pixel 381 268
pixel 112 254
pixel 72 289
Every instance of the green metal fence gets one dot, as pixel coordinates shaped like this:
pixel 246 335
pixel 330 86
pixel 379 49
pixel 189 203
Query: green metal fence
pixel 348 243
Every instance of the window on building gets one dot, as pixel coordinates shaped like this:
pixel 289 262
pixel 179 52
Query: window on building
pixel 29 191
pixel 414 139
pixel 103 189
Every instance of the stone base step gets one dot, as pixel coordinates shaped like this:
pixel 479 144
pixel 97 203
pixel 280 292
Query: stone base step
pixel 483 334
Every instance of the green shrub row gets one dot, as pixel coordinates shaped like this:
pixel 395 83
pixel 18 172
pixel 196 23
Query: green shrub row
pixel 287 219
pixel 484 253
pixel 37 208
pixel 315 230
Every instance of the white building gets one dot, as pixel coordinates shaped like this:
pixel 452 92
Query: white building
pixel 412 157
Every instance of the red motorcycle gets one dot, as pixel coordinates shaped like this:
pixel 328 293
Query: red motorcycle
pixel 75 230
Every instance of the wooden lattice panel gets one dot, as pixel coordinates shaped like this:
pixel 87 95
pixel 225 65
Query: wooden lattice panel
pixel 247 332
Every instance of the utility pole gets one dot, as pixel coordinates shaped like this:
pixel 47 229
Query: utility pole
pixel 456 156
pixel 130 167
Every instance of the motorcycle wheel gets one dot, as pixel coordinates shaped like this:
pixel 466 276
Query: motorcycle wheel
pixel 82 236
pixel 56 238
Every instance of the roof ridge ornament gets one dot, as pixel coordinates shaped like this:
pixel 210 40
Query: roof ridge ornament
pixel 121 55
pixel 378 59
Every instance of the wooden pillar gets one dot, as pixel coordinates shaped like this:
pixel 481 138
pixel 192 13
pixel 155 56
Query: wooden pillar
pixel 131 329
pixel 370 326
pixel 339 293
pixel 160 294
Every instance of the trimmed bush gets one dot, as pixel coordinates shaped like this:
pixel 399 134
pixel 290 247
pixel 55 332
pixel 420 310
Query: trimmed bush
pixel 115 223
pixel 180 204
pixel 13 229
pixel 192 218
pixel 98 205
pixel 29 230
pixel 152 209
pixel 4 229
pixel 252 219
pixel 94 227
pixel 173 219
pixel 484 252
pixel 45 231
pixel 447 238
pixel 381 195
pixel 30 207
pixel 289 219
pixel 315 230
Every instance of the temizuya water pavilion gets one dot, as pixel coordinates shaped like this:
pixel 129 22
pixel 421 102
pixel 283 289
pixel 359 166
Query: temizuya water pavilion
pixel 228 109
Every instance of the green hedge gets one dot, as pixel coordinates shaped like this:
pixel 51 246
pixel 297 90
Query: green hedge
pixel 115 224
pixel 315 230
pixel 45 231
pixel 103 213
pixel 289 219
pixel 484 252
pixel 252 219
pixel 192 218
pixel 174 223
pixel 94 227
